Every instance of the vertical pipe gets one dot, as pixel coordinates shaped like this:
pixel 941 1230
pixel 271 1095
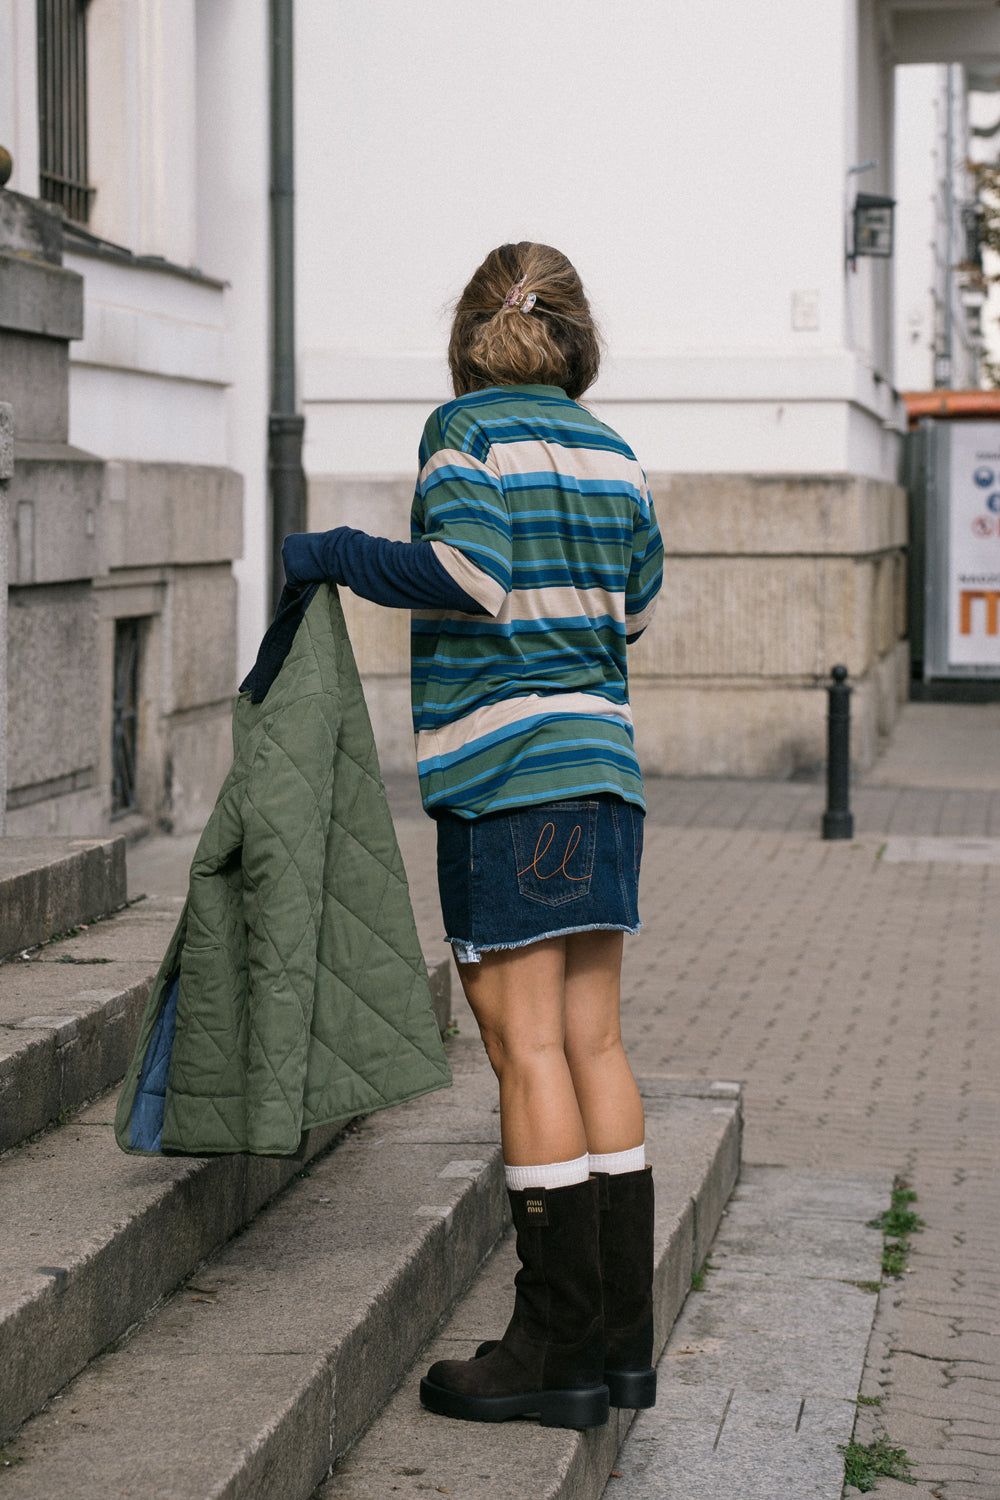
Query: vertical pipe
pixel 285 426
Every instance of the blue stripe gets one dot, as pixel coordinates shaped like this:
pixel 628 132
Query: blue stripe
pixel 500 776
pixel 521 730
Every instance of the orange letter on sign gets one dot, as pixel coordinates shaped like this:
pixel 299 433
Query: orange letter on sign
pixel 991 598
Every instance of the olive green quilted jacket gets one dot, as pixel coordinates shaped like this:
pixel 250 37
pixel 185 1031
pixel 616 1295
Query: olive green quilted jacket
pixel 293 992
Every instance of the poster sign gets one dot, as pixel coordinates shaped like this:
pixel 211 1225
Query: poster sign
pixel 974 546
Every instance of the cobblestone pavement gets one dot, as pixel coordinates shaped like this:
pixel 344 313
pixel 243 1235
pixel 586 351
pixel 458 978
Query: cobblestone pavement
pixel 857 1000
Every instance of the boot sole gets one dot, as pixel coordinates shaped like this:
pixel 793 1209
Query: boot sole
pixel 587 1407
pixel 635 1390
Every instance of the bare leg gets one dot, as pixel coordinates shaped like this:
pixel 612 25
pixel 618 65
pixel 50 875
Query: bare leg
pixel 517 997
pixel 605 1089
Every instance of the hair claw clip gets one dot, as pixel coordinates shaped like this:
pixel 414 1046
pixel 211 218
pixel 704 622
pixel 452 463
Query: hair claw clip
pixel 516 293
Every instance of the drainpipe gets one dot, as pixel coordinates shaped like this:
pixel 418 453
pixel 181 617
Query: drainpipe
pixel 285 425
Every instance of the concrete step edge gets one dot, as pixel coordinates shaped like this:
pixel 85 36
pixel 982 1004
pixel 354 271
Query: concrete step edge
pixel 48 885
pixel 160 1218
pixel 441 1248
pixel 70 1311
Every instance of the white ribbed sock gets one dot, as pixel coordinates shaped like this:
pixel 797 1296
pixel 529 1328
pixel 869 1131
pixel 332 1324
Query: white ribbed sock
pixel 617 1162
pixel 552 1175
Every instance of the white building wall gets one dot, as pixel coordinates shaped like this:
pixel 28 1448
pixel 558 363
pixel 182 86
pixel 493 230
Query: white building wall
pixel 708 230
pixel 232 180
pixel 143 125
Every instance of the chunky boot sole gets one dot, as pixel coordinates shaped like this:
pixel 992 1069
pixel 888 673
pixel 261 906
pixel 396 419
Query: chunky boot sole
pixel 588 1407
pixel 633 1389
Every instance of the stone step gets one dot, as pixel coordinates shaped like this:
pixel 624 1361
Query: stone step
pixel 273 1357
pixel 693 1143
pixel 91 1239
pixel 48 885
pixel 69 1014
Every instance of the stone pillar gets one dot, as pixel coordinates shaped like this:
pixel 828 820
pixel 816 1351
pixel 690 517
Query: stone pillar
pixel 6 470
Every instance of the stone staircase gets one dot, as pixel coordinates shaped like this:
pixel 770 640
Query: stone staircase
pixel 234 1327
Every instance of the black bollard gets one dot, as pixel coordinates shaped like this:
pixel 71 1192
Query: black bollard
pixel 838 820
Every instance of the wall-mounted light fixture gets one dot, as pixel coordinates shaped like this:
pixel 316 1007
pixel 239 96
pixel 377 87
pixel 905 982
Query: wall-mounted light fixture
pixel 872 226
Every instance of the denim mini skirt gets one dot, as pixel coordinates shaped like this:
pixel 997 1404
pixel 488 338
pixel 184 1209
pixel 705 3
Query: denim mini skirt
pixel 513 878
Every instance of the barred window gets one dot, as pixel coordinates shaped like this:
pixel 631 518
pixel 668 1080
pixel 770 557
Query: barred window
pixel 62 105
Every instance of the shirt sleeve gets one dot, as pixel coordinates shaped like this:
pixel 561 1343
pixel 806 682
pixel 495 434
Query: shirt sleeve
pixel 402 575
pixel 646 574
pixel 460 508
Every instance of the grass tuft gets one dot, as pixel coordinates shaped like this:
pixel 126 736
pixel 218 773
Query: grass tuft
pixel 897 1223
pixel 866 1463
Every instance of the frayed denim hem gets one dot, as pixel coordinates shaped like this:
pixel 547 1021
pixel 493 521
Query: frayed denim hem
pixel 470 953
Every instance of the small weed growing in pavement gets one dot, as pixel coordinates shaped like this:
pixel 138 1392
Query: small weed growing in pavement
pixel 698 1278
pixel 7 1460
pixel 895 1254
pixel 869 1400
pixel 897 1223
pixel 866 1463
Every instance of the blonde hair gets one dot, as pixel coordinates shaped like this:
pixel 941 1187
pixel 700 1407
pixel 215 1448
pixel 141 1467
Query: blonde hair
pixel 493 342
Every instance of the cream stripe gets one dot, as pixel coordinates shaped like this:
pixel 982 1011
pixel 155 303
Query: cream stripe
pixel 484 589
pixel 495 716
pixel 561 604
pixel 445 457
pixel 533 456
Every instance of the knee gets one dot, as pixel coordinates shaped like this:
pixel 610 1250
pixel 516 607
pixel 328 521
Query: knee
pixel 517 1054
pixel 593 1048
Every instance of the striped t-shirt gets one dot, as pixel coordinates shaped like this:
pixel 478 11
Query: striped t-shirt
pixel 542 514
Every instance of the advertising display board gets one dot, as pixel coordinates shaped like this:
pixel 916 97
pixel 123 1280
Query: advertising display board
pixel 973 563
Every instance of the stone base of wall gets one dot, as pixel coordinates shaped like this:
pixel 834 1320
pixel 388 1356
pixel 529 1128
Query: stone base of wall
pixel 769 582
pixel 164 539
pixel 756 729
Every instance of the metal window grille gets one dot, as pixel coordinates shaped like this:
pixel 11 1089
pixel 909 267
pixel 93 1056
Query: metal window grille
pixel 125 722
pixel 62 105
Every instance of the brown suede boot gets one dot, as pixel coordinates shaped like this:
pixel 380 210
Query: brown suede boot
pixel 627 1278
pixel 626 1210
pixel 551 1357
